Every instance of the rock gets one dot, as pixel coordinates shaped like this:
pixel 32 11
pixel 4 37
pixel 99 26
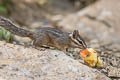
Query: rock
pixel 94 44
pixel 114 72
pixel 31 64
pixel 1 78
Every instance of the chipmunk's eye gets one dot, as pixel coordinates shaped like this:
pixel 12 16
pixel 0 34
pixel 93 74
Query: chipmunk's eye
pixel 74 40
pixel 73 36
pixel 83 44
pixel 77 39
pixel 81 41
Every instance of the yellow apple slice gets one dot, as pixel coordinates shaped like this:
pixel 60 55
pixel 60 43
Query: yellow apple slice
pixel 90 57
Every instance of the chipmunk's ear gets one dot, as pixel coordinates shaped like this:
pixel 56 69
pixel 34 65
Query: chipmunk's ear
pixel 75 33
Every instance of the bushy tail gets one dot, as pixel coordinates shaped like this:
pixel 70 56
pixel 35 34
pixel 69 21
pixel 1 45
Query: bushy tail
pixel 7 24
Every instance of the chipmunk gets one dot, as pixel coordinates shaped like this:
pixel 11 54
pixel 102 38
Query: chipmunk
pixel 47 36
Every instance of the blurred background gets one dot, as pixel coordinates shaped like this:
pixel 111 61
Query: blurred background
pixel 97 21
pixel 67 15
pixel 98 18
pixel 35 13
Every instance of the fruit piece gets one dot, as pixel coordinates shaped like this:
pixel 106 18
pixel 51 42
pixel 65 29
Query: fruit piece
pixel 84 53
pixel 99 63
pixel 91 58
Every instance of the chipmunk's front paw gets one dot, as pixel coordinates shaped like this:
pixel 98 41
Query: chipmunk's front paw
pixel 39 48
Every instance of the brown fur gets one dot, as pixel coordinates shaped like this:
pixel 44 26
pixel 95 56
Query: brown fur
pixel 45 36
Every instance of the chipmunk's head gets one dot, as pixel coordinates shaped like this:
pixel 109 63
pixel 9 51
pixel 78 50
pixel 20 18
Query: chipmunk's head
pixel 77 39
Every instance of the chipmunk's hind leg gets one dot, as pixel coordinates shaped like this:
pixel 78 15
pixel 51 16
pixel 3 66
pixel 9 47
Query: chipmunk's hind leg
pixel 39 43
pixel 38 47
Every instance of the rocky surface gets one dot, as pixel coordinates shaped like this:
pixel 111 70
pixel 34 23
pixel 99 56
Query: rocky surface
pixel 20 63
pixel 99 25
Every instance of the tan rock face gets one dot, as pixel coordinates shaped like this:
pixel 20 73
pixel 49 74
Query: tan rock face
pixel 20 63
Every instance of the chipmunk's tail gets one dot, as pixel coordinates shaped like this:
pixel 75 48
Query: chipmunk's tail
pixel 7 24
